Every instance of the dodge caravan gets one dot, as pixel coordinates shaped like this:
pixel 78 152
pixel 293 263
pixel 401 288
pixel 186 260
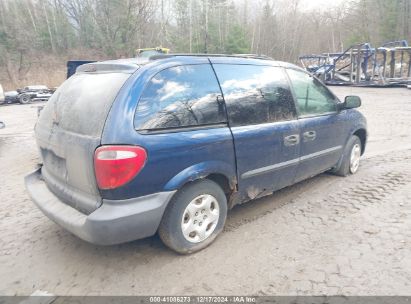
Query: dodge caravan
pixel 170 143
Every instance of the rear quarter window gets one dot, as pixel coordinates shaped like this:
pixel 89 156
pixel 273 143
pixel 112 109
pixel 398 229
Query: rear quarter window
pixel 182 96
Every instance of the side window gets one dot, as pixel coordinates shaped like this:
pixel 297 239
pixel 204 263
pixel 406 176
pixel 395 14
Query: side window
pixel 181 96
pixel 255 94
pixel 313 98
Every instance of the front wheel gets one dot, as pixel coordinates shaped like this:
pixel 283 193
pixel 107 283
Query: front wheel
pixel 194 217
pixel 351 158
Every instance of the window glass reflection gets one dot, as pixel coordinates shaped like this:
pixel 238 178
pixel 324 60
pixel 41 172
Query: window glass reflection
pixel 179 97
pixel 313 98
pixel 255 94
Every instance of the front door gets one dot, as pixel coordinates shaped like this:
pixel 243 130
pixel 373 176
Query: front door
pixel 263 122
pixel 321 131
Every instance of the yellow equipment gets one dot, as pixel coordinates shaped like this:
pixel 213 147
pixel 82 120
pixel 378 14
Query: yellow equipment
pixel 147 52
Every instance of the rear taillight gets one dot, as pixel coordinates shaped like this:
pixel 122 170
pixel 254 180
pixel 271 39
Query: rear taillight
pixel 117 165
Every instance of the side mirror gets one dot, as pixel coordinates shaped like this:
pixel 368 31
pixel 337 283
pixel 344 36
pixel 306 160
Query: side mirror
pixel 351 102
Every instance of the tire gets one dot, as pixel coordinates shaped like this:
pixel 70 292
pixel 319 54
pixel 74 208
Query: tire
pixel 201 207
pixel 347 166
pixel 24 98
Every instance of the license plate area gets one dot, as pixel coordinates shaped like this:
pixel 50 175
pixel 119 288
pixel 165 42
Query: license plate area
pixel 54 164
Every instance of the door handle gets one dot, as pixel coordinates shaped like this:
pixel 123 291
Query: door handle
pixel 309 135
pixel 292 140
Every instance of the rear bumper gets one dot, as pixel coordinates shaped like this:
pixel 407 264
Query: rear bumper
pixel 113 223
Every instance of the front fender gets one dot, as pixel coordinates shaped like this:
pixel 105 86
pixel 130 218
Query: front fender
pixel 201 170
pixel 358 122
pixel 355 121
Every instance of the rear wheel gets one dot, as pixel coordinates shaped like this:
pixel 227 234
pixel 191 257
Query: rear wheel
pixel 24 98
pixel 351 158
pixel 194 217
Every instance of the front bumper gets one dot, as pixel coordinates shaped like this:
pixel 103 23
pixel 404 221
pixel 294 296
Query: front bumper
pixel 114 222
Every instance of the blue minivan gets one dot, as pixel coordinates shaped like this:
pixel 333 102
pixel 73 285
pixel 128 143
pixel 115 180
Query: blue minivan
pixel 169 143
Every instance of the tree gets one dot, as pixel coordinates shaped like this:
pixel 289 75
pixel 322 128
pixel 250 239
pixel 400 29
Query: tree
pixel 37 35
pixel 236 42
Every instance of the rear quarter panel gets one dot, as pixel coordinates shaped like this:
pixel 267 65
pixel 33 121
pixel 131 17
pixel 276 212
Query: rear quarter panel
pixel 174 158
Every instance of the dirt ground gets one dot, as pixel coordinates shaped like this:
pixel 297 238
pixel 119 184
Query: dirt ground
pixel 327 235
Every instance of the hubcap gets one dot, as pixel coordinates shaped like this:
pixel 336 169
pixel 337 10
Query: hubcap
pixel 355 158
pixel 200 218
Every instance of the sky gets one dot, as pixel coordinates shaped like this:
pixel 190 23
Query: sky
pixel 320 4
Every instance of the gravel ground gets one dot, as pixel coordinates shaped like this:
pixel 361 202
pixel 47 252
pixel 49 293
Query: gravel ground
pixel 326 235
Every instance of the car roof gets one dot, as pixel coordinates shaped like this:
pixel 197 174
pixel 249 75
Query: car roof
pixel 192 58
pixel 130 65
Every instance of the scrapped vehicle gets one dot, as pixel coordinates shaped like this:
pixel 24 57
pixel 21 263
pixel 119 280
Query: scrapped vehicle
pixel 34 93
pixel 29 94
pixel 169 144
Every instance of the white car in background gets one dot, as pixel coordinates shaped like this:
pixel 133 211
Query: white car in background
pixel 1 94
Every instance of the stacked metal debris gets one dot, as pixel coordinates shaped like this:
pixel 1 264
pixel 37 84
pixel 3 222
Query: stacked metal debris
pixel 363 65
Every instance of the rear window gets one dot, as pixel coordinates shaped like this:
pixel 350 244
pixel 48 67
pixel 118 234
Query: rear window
pixel 81 104
pixel 183 96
